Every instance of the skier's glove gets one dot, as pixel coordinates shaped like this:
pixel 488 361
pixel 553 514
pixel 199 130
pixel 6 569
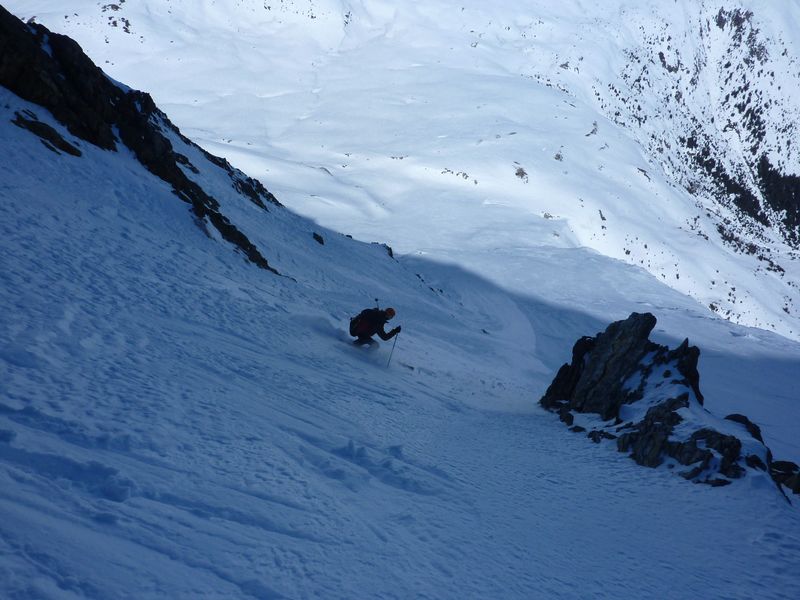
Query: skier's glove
pixel 396 330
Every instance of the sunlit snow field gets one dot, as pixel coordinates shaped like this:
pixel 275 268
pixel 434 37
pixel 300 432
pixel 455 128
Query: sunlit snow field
pixel 402 123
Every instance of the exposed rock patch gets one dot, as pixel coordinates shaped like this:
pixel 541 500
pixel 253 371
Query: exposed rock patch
pixel 621 386
pixel 50 137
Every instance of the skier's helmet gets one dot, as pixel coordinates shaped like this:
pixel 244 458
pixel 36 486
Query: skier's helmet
pixel 390 312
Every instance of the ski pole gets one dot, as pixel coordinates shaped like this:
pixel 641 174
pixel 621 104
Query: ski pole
pixel 392 352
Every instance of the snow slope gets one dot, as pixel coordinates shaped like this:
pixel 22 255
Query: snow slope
pixel 176 423
pixel 405 122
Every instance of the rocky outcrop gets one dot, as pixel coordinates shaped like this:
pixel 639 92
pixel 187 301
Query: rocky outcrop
pixel 787 474
pixel 51 139
pixel 621 386
pixel 52 71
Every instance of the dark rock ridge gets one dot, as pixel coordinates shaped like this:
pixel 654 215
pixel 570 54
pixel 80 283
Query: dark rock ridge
pixel 621 386
pixel 52 71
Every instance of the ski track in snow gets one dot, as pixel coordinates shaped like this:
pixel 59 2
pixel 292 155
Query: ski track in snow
pixel 176 423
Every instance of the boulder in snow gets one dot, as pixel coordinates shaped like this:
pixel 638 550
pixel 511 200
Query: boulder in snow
pixel 622 386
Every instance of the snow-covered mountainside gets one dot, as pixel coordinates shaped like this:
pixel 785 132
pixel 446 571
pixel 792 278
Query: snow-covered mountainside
pixel 660 134
pixel 181 412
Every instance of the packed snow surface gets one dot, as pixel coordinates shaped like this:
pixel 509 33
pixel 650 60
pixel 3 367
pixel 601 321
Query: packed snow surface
pixel 176 423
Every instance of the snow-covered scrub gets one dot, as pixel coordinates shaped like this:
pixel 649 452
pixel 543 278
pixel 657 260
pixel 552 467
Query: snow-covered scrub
pixel 176 422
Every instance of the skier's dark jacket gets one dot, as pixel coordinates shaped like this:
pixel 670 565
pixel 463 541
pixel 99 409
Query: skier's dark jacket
pixel 369 322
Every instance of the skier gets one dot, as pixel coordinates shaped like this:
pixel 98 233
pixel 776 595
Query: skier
pixel 369 322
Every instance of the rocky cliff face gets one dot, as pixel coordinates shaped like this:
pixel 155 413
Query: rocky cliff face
pixel 647 398
pixel 52 71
